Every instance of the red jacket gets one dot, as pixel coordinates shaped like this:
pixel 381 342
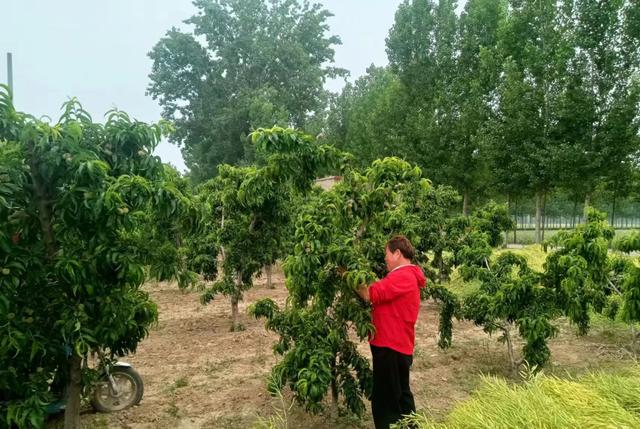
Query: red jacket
pixel 396 303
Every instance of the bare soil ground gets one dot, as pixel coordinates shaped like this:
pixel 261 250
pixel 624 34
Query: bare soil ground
pixel 197 374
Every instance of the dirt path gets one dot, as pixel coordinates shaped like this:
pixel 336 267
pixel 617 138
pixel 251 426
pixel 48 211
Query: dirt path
pixel 197 374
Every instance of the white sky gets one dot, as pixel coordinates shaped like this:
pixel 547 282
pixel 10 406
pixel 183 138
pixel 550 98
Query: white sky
pixel 96 50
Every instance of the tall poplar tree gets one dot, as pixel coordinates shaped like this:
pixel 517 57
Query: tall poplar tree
pixel 476 73
pixel 535 49
pixel 421 47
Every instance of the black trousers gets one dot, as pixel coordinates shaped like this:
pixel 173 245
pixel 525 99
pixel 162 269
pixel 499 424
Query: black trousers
pixel 391 398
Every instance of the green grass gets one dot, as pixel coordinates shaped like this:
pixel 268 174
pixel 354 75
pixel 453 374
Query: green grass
pixel 460 287
pixel 178 384
pixel 534 254
pixel 173 410
pixel 181 382
pixel 595 400
pixel 528 236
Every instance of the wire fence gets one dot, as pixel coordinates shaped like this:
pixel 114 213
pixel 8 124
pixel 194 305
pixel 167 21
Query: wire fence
pixel 527 222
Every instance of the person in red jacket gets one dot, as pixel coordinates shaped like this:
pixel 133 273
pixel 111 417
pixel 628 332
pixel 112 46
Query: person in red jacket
pixel 396 303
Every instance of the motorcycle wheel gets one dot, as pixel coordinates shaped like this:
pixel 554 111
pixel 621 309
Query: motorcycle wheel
pixel 130 390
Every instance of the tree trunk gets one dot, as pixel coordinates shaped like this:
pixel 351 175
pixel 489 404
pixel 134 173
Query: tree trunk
pixel 512 355
pixel 444 276
pixel 515 210
pixel 613 210
pixel 268 270
pixel 74 384
pixel 538 216
pixel 44 210
pixel 235 298
pixel 221 257
pixel 234 312
pixel 334 390
pixel 74 387
pixel 506 233
pixel 587 204
pixel 43 206
pixel 465 203
pixel 438 263
pixel 575 209
pixel 544 214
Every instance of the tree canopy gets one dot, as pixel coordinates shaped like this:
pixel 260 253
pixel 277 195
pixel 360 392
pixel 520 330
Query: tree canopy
pixel 244 64
pixel 77 199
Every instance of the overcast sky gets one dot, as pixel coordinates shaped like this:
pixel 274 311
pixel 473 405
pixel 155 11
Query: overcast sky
pixel 97 51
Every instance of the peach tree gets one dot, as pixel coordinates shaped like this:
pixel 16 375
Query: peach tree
pixel 623 301
pixel 252 206
pixel 78 200
pixel 578 269
pixel 512 296
pixel 456 235
pixel 630 284
pixel 199 247
pixel 591 278
pixel 339 245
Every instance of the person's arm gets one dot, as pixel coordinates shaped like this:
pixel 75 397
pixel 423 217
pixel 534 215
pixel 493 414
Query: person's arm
pixel 389 288
pixel 363 291
pixel 367 292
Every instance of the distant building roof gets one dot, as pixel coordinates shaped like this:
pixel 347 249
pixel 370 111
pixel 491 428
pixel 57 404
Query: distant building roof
pixel 327 183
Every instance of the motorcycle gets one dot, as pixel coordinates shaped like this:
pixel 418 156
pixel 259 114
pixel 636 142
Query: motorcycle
pixel 118 386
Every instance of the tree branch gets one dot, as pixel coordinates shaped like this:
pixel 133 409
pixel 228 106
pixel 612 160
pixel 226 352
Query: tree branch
pixel 613 287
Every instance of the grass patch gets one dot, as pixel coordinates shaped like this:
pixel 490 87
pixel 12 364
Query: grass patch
pixel 461 288
pixel 527 236
pixel 178 384
pixel 173 410
pixel 592 401
pixel 600 321
pixel 534 254
pixel 181 382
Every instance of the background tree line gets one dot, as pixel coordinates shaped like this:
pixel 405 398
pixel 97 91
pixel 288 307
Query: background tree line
pixel 516 100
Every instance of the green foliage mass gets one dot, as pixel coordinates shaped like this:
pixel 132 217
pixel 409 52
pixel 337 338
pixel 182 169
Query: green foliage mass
pixel 244 64
pixel 76 202
pixel 339 240
pixel 574 282
pixel 628 280
pixel 508 99
pixel 510 294
pixel 252 206
pixel 578 269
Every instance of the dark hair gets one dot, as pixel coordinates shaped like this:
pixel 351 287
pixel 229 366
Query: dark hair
pixel 401 243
